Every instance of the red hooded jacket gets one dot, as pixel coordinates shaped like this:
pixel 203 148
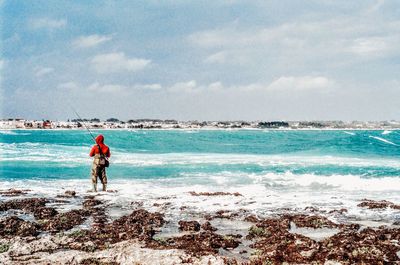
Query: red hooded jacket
pixel 104 148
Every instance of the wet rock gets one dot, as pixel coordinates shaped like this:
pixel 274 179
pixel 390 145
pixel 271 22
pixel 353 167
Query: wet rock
pixel 189 225
pixel 13 192
pixel 371 204
pixel 340 211
pixel 70 193
pixel 312 221
pixel 219 193
pixel 276 244
pixel 140 224
pixel 97 261
pixel 14 226
pixel 369 246
pixel 44 212
pixel 202 243
pixel 27 205
pixel 65 221
pixel 252 218
pixel 91 202
pixel 208 227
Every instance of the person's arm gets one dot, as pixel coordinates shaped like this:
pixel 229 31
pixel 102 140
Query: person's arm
pixel 108 154
pixel 91 152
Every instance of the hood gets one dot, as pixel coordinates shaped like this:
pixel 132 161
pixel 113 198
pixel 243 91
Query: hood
pixel 100 139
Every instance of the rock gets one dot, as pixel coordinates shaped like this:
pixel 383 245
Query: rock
pixel 219 193
pixel 44 212
pixel 202 243
pixel 340 211
pixel 371 204
pixel 27 205
pixel 14 226
pixel 71 193
pixel 65 221
pixel 13 192
pixel 189 225
pixel 97 261
pixel 252 218
pixel 140 224
pixel 208 227
pixel 91 203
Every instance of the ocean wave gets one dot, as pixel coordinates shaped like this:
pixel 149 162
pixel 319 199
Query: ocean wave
pixel 79 155
pixel 386 132
pixel 383 140
pixel 11 132
pixel 291 181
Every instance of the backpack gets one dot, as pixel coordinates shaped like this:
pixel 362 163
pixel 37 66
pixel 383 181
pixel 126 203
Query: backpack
pixel 103 161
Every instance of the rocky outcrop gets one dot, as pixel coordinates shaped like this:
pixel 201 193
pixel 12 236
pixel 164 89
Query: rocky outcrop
pixel 14 226
pixel 189 225
pixel 371 204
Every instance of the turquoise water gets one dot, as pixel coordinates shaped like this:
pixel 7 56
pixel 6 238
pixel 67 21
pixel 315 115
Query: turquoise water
pixel 169 154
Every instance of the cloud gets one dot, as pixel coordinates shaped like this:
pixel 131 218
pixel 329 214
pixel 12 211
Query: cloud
pixel 367 46
pixel 317 41
pixel 189 86
pixel 219 57
pixel 108 88
pixel 153 87
pixel 283 83
pixel 90 41
pixel 44 71
pixel 300 83
pixel 193 87
pixel 47 23
pixel 117 62
pixel 68 85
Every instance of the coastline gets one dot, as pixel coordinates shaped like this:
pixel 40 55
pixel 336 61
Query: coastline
pixel 92 228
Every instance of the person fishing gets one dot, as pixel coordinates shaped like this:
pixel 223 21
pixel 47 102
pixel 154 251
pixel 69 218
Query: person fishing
pixel 101 153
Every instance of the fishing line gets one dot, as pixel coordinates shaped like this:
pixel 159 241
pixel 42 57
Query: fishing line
pixel 81 121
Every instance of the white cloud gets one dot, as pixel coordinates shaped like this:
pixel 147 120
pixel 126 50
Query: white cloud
pixel 108 88
pixel 117 62
pixel 44 71
pixel 219 57
pixel 154 87
pixel 324 41
pixel 193 87
pixel 367 46
pixel 47 23
pixel 68 85
pixel 300 83
pixel 90 41
pixel 183 86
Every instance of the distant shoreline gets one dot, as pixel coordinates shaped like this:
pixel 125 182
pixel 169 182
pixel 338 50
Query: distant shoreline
pixel 148 124
pixel 204 129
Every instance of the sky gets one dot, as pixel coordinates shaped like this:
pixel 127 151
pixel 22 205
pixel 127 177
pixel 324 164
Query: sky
pixel 201 60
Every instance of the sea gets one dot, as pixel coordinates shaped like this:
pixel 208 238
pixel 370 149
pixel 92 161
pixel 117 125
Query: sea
pixel 273 170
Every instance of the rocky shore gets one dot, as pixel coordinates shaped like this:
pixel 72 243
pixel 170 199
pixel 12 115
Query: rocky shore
pixel 73 228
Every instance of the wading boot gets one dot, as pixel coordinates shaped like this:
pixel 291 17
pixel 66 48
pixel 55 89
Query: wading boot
pixel 104 187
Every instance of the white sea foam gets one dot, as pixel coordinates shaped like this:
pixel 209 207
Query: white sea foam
pixel 79 155
pixel 10 132
pixel 383 140
pixel 349 133
pixel 386 132
pixel 258 197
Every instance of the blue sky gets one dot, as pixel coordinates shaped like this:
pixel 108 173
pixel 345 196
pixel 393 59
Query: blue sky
pixel 204 60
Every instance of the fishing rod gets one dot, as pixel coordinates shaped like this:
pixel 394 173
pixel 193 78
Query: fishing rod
pixel 77 114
